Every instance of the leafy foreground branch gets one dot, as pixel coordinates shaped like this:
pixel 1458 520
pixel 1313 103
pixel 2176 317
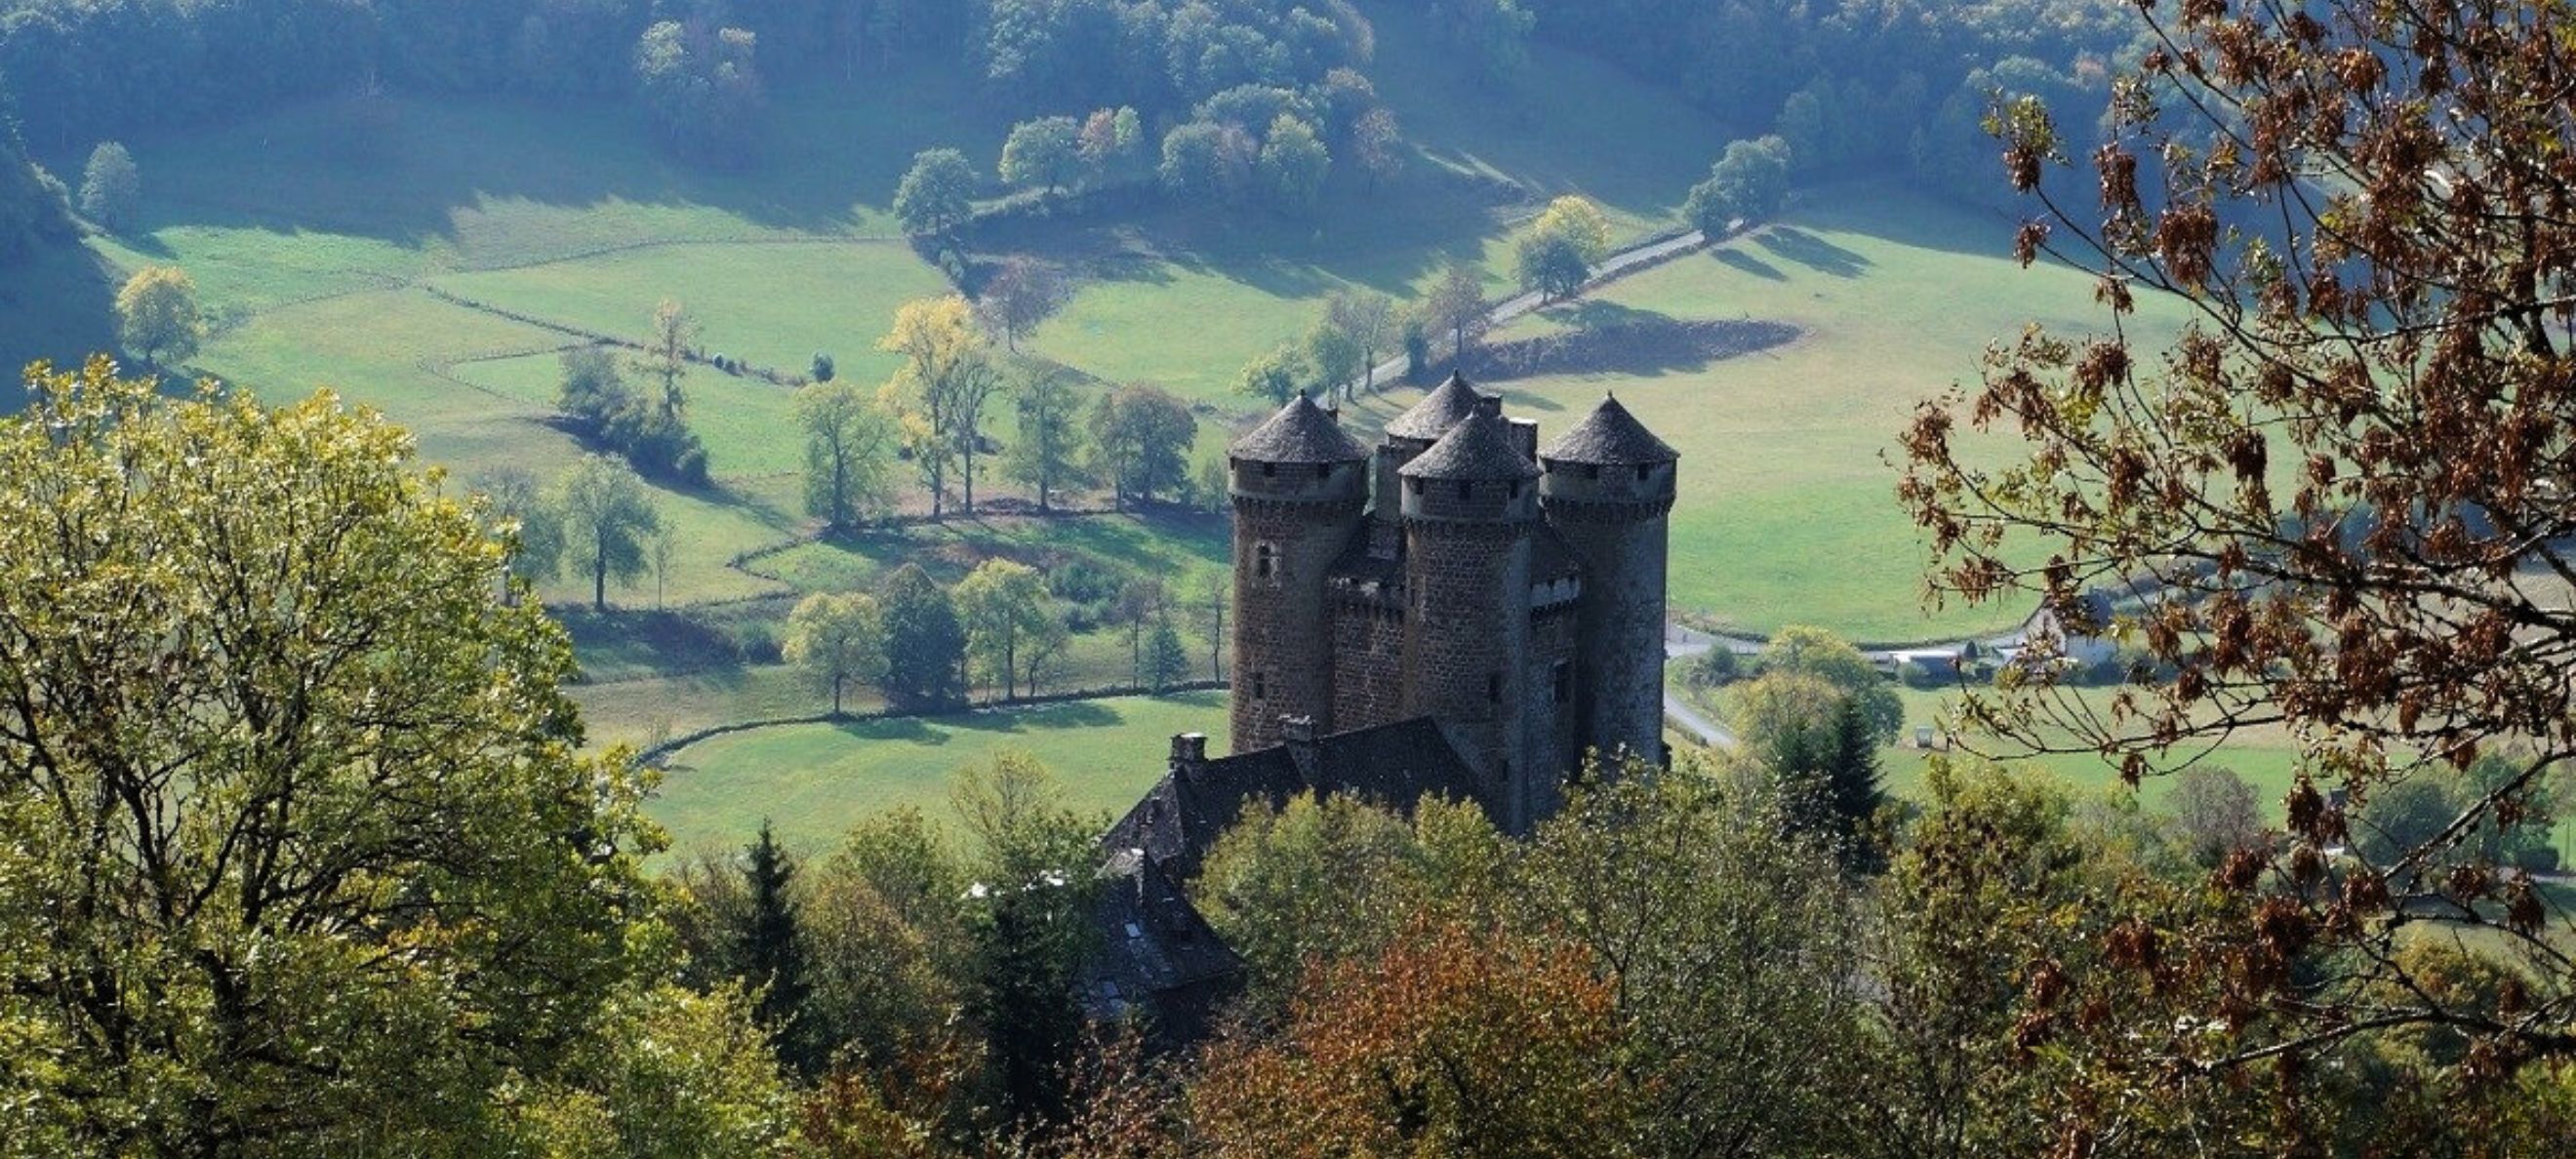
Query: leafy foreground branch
pixel 296 853
pixel 2338 504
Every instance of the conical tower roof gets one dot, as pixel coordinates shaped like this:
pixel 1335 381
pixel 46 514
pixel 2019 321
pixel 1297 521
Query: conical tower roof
pixel 1438 411
pixel 1300 433
pixel 1610 436
pixel 1478 448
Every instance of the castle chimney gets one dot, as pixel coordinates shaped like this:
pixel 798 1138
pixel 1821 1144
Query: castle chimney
pixel 1189 754
pixel 1491 404
pixel 1297 735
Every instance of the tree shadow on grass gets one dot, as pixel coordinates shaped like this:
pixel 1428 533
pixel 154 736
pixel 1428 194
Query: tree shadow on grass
pixel 668 642
pixel 909 729
pixel 1749 264
pixel 1049 718
pixel 1813 252
pixel 1643 345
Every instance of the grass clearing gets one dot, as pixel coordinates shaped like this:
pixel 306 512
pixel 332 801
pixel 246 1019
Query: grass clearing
pixel 814 781
pixel 1787 511
pixel 774 303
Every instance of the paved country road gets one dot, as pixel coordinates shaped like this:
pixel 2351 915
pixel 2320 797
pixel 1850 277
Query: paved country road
pixel 1680 642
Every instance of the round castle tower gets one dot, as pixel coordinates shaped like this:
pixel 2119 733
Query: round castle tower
pixel 1299 486
pixel 1469 505
pixel 1608 488
pixel 1411 433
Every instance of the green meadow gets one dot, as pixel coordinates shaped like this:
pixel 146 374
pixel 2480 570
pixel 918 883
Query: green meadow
pixel 813 781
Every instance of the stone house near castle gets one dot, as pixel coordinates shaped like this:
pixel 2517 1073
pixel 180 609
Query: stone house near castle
pixel 1455 610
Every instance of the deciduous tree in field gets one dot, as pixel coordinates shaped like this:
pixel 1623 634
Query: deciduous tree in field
pixel 666 356
pixel 947 379
pixel 1049 450
pixel 1365 319
pixel 298 852
pixel 1276 376
pixel 1378 144
pixel 2343 489
pixel 849 453
pixel 1042 154
pixel 839 640
pixel 1333 356
pixel 1142 436
pixel 937 193
pixel 157 316
pixel 1019 296
pixel 1005 608
pixel 527 521
pixel 1748 182
pixel 608 520
pixel 1457 308
pixel 925 645
pixel 111 191
pixel 1559 248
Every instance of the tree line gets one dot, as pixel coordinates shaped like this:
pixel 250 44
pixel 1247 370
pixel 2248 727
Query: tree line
pixel 695 64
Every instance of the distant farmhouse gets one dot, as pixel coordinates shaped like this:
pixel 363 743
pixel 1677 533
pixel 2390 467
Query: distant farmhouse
pixel 1456 611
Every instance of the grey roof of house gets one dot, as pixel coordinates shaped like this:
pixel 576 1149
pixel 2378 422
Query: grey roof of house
pixel 1610 436
pixel 1443 408
pixel 1155 952
pixel 1480 447
pixel 1300 433
pixel 1395 765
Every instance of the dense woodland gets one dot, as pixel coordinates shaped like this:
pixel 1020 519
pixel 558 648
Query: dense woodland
pixel 1860 86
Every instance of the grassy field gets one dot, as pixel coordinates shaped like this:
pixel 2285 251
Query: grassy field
pixel 1787 511
pixel 814 781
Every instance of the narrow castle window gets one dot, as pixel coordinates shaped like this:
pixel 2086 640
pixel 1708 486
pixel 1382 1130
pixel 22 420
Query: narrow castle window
pixel 1642 469
pixel 1465 489
pixel 1562 679
pixel 1494 687
pixel 1416 484
pixel 1263 560
pixel 1592 470
pixel 1260 687
pixel 1323 470
pixel 1269 469
pixel 1516 489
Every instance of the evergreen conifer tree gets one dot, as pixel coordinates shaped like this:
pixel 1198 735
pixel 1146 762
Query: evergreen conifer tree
pixel 772 951
pixel 1853 785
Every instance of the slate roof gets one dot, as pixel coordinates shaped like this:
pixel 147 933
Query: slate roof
pixel 1479 447
pixel 1443 408
pixel 1300 433
pixel 1396 765
pixel 1610 436
pixel 1155 952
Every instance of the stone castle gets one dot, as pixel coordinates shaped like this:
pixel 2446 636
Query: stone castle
pixel 1456 611
pixel 1458 572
